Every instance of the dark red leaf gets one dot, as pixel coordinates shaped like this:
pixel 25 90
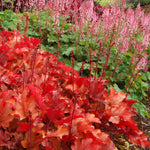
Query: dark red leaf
pixel 5 139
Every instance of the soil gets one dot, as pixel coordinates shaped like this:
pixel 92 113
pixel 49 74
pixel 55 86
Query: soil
pixel 144 123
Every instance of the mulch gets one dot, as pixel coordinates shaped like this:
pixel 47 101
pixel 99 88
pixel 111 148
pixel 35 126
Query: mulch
pixel 144 123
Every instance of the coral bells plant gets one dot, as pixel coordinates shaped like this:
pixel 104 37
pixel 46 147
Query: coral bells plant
pixel 47 105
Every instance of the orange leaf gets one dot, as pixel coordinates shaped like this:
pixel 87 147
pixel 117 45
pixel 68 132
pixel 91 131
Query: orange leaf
pixel 36 93
pixel 60 132
pixel 92 118
pixel 115 98
pixel 5 114
pixel 26 104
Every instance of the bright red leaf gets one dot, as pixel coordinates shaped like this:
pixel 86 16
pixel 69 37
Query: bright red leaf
pixel 24 127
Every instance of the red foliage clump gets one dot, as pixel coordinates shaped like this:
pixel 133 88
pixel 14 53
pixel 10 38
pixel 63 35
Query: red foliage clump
pixel 47 105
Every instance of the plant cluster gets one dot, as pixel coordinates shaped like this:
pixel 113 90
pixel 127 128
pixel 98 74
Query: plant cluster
pixel 46 105
pixel 22 5
pixel 29 5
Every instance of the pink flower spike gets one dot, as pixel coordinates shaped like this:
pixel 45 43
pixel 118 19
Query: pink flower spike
pixel 146 41
pixel 125 45
pixel 142 63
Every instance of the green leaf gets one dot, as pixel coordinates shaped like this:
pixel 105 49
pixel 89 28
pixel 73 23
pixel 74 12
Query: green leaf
pixel 86 66
pixel 115 86
pixel 64 38
pixel 82 43
pixel 52 40
pixel 67 62
pixel 144 84
pixel 43 47
pixel 144 114
pixel 68 51
pixel 78 66
pixel 141 108
pixel 11 26
pixel 133 96
pixel 148 75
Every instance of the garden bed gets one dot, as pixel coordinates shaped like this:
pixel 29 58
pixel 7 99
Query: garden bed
pixel 64 99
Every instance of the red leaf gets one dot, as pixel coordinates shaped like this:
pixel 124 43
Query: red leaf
pixel 5 139
pixel 25 104
pixel 68 119
pixel 24 127
pixel 36 93
pixel 60 132
pixel 116 113
pixel 96 89
pixel 35 41
pixel 5 114
pixel 32 42
pixel 67 69
pixel 20 51
pixel 49 148
pixel 3 59
pixel 137 137
pixel 114 98
pixel 5 35
pixel 54 114
pixel 85 144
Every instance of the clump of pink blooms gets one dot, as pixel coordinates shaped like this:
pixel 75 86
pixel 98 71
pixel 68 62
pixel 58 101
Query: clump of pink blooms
pixel 116 24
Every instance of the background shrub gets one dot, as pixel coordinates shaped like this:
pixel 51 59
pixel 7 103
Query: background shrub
pixel 134 3
pixel 104 2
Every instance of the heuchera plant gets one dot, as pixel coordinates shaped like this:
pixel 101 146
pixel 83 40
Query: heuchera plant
pixel 47 105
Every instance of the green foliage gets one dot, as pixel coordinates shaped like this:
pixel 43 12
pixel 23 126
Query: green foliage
pixel 134 3
pixel 8 19
pixel 103 2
